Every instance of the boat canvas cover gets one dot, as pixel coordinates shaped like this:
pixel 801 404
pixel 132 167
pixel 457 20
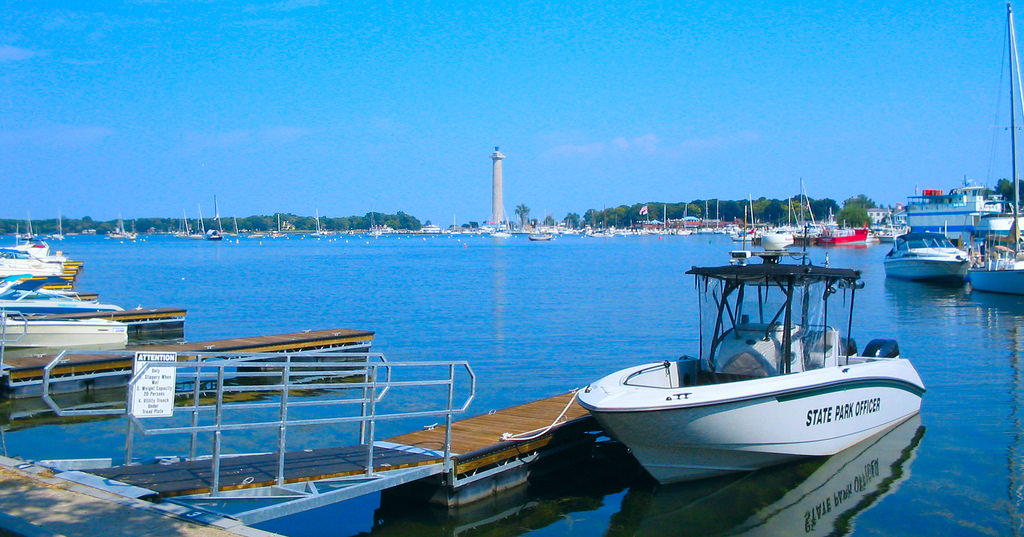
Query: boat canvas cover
pixel 774 272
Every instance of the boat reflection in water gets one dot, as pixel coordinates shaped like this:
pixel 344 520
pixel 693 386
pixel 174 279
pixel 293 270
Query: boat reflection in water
pixel 811 497
pixel 814 496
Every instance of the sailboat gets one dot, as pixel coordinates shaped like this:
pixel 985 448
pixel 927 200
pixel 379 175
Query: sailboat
pixel 277 234
pixel 215 234
pixel 319 233
pixel 59 235
pixel 119 233
pixel 1002 270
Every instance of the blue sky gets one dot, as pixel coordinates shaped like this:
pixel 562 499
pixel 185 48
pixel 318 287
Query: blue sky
pixel 146 108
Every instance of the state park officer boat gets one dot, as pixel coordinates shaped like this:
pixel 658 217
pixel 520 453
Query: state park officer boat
pixel 774 380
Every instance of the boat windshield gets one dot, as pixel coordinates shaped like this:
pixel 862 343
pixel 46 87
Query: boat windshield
pixel 764 320
pixel 929 242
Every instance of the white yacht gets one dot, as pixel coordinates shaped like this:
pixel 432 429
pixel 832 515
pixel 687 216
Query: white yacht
pixel 15 262
pixel 926 257
pixel 25 295
pixel 27 334
pixel 774 380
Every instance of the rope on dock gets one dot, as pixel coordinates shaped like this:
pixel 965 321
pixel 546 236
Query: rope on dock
pixel 537 433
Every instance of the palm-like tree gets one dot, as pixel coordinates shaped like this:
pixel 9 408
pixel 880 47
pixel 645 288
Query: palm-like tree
pixel 523 212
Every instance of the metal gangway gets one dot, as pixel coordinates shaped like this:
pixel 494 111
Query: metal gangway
pixel 212 399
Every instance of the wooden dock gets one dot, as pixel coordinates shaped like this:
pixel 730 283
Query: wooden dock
pixel 77 367
pixel 477 443
pixel 252 471
pixel 477 440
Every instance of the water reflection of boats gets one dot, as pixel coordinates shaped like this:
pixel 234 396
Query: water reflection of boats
pixel 819 496
pixel 813 497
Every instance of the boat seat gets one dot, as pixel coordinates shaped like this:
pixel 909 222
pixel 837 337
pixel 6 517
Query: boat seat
pixel 748 363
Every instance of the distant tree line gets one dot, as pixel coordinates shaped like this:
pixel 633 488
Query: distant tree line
pixel 764 210
pixel 772 211
pixel 288 222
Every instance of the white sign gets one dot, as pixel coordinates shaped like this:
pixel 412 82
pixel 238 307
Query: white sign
pixel 153 392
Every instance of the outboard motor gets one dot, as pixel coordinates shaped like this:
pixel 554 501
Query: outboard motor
pixel 882 348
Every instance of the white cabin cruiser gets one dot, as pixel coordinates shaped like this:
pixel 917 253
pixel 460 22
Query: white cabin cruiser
pixel 926 256
pixel 18 332
pixel 22 294
pixel 774 380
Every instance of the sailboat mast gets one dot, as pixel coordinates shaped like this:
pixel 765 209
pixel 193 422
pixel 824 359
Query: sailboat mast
pixel 1014 92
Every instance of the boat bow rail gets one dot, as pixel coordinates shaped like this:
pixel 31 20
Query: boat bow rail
pixel 216 396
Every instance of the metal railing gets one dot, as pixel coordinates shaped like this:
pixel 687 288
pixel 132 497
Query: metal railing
pixel 4 317
pixel 216 394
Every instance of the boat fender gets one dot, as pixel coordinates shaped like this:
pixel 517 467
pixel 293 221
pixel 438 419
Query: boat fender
pixel 882 348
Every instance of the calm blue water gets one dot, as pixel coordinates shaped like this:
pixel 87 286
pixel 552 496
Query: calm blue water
pixel 536 319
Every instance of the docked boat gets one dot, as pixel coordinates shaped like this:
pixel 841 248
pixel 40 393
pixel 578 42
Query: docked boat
pixel 926 257
pixel 774 380
pixel 15 262
pixel 540 236
pixel 18 293
pixel 777 240
pixel 21 333
pixel 1002 268
pixel 832 235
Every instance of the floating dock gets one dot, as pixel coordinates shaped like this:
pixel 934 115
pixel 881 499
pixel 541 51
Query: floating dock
pixel 483 463
pixel 476 444
pixel 448 462
pixel 85 371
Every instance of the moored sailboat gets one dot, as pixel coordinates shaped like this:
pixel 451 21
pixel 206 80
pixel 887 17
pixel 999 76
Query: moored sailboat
pixel 1002 269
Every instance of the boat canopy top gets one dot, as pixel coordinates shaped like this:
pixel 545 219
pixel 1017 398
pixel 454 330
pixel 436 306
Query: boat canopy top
pixel 770 272
pixel 771 318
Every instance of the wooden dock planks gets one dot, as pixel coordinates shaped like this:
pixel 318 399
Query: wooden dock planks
pixel 476 440
pixel 31 367
pixel 249 471
pixel 124 315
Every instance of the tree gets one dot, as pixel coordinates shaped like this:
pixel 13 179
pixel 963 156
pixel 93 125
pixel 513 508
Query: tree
pixel 571 220
pixel 523 212
pixel 549 220
pixel 853 215
pixel 860 200
pixel 1005 188
pixel 855 211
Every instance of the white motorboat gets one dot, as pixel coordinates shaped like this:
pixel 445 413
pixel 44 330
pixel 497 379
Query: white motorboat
pixel 774 380
pixel 777 240
pixel 15 262
pixel 23 333
pixel 540 237
pixel 926 257
pixel 18 293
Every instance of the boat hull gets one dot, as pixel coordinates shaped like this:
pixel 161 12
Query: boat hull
pixel 705 431
pixel 921 269
pixel 1007 282
pixel 77 334
pixel 856 236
